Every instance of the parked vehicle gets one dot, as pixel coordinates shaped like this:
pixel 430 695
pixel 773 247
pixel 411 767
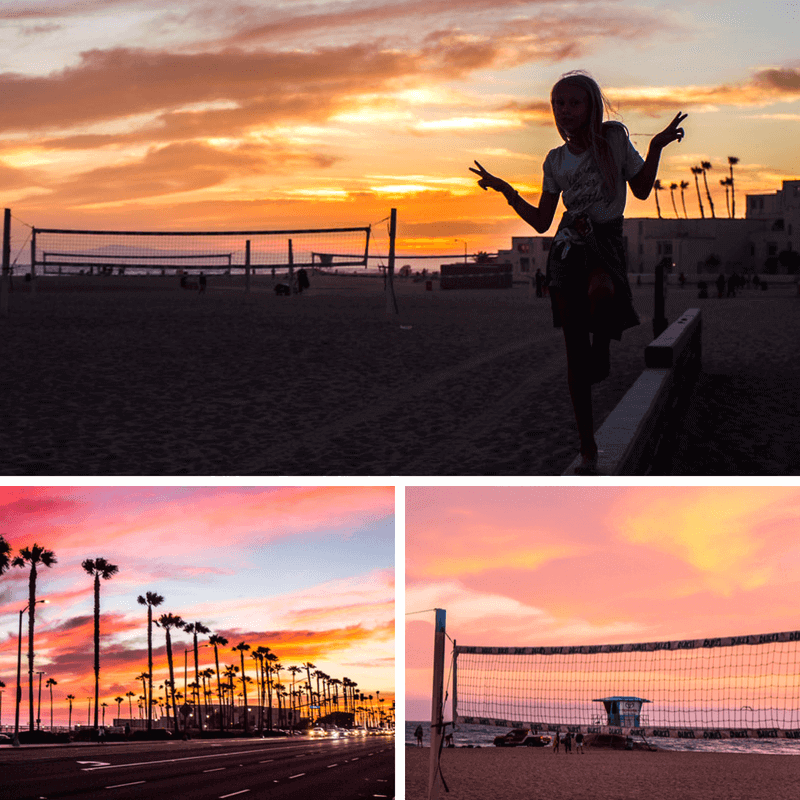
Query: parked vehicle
pixel 521 737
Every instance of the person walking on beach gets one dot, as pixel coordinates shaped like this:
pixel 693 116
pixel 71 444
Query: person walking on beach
pixel 578 743
pixel 418 734
pixel 556 741
pixel 567 742
pixel 586 268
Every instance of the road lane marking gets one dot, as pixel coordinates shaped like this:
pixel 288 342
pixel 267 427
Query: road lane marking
pixel 267 761
pixel 120 785
pixel 233 794
pixel 168 760
pixel 332 765
pixel 292 777
pixel 216 769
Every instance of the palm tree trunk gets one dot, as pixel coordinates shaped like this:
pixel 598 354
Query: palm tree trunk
pixel 96 648
pixel 708 194
pixel 172 681
pixel 31 623
pixel 150 666
pixel 219 686
pixel 699 198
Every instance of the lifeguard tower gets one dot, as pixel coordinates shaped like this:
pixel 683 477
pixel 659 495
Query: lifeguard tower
pixel 624 712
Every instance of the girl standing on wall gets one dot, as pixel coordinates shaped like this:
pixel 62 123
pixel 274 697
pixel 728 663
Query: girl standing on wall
pixel 586 269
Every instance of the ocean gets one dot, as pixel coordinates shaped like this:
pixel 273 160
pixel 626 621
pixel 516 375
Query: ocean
pixel 483 736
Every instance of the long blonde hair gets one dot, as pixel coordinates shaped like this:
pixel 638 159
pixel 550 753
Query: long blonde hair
pixel 598 142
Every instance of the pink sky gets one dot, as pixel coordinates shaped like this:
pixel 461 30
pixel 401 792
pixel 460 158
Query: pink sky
pixel 566 566
pixel 305 571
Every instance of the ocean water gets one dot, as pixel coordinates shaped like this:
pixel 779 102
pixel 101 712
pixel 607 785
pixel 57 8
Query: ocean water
pixel 483 736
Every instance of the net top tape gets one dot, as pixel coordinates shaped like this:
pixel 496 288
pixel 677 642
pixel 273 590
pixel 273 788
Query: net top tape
pixel 678 644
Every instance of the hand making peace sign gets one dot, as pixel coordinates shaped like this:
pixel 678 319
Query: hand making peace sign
pixel 671 133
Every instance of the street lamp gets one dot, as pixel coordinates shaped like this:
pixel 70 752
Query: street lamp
pixel 39 707
pixel 15 741
pixel 465 248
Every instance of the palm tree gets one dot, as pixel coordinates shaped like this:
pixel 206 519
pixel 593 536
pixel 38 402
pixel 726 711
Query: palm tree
pixel 706 165
pixel 105 706
pixel 98 568
pixel 280 693
pixel 151 600
pixel 51 682
pixel 34 556
pixel 206 676
pixel 657 187
pixel 218 641
pixel 130 696
pixel 195 628
pixel 732 161
pixel 70 697
pixel 697 171
pixel 308 666
pixel 143 677
pixel 230 672
pixel 726 183
pixel 5 555
pixel 271 660
pixel 167 622
pixel 119 701
pixel 243 647
pixel 684 187
pixel 672 188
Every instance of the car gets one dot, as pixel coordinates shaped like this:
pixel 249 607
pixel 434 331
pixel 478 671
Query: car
pixel 521 737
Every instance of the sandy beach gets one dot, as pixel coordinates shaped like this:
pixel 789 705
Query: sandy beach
pixel 531 773
pixel 130 376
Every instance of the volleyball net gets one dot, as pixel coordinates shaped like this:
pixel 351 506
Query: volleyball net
pixel 58 251
pixel 721 688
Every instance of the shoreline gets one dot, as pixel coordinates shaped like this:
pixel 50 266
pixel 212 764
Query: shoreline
pixel 601 774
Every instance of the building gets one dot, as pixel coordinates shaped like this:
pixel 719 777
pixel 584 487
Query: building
pixel 765 241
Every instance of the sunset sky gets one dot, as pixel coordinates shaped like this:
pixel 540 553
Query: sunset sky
pixel 307 572
pixel 582 566
pixel 134 114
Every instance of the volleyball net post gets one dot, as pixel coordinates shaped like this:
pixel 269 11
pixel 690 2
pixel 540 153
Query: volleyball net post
pixel 5 280
pixel 437 704
pixel 391 299
pixel 247 266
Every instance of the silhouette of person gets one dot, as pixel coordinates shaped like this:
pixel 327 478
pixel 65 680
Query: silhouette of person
pixel 556 741
pixel 567 742
pixel 418 734
pixel 721 285
pixel 578 743
pixel 586 266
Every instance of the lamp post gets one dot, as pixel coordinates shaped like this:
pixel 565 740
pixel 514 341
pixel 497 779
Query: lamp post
pixel 39 706
pixel 465 248
pixel 15 741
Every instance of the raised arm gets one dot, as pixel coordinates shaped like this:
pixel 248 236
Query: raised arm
pixel 642 182
pixel 539 217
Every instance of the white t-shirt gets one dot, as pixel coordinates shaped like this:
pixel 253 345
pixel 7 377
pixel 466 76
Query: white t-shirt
pixel 578 179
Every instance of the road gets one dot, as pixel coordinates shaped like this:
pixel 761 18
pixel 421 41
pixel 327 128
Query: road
pixel 290 769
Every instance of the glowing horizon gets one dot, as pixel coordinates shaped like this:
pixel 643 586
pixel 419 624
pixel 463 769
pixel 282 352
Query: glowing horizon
pixel 274 114
pixel 307 572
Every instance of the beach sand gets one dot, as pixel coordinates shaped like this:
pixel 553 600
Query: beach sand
pixel 128 376
pixel 530 773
